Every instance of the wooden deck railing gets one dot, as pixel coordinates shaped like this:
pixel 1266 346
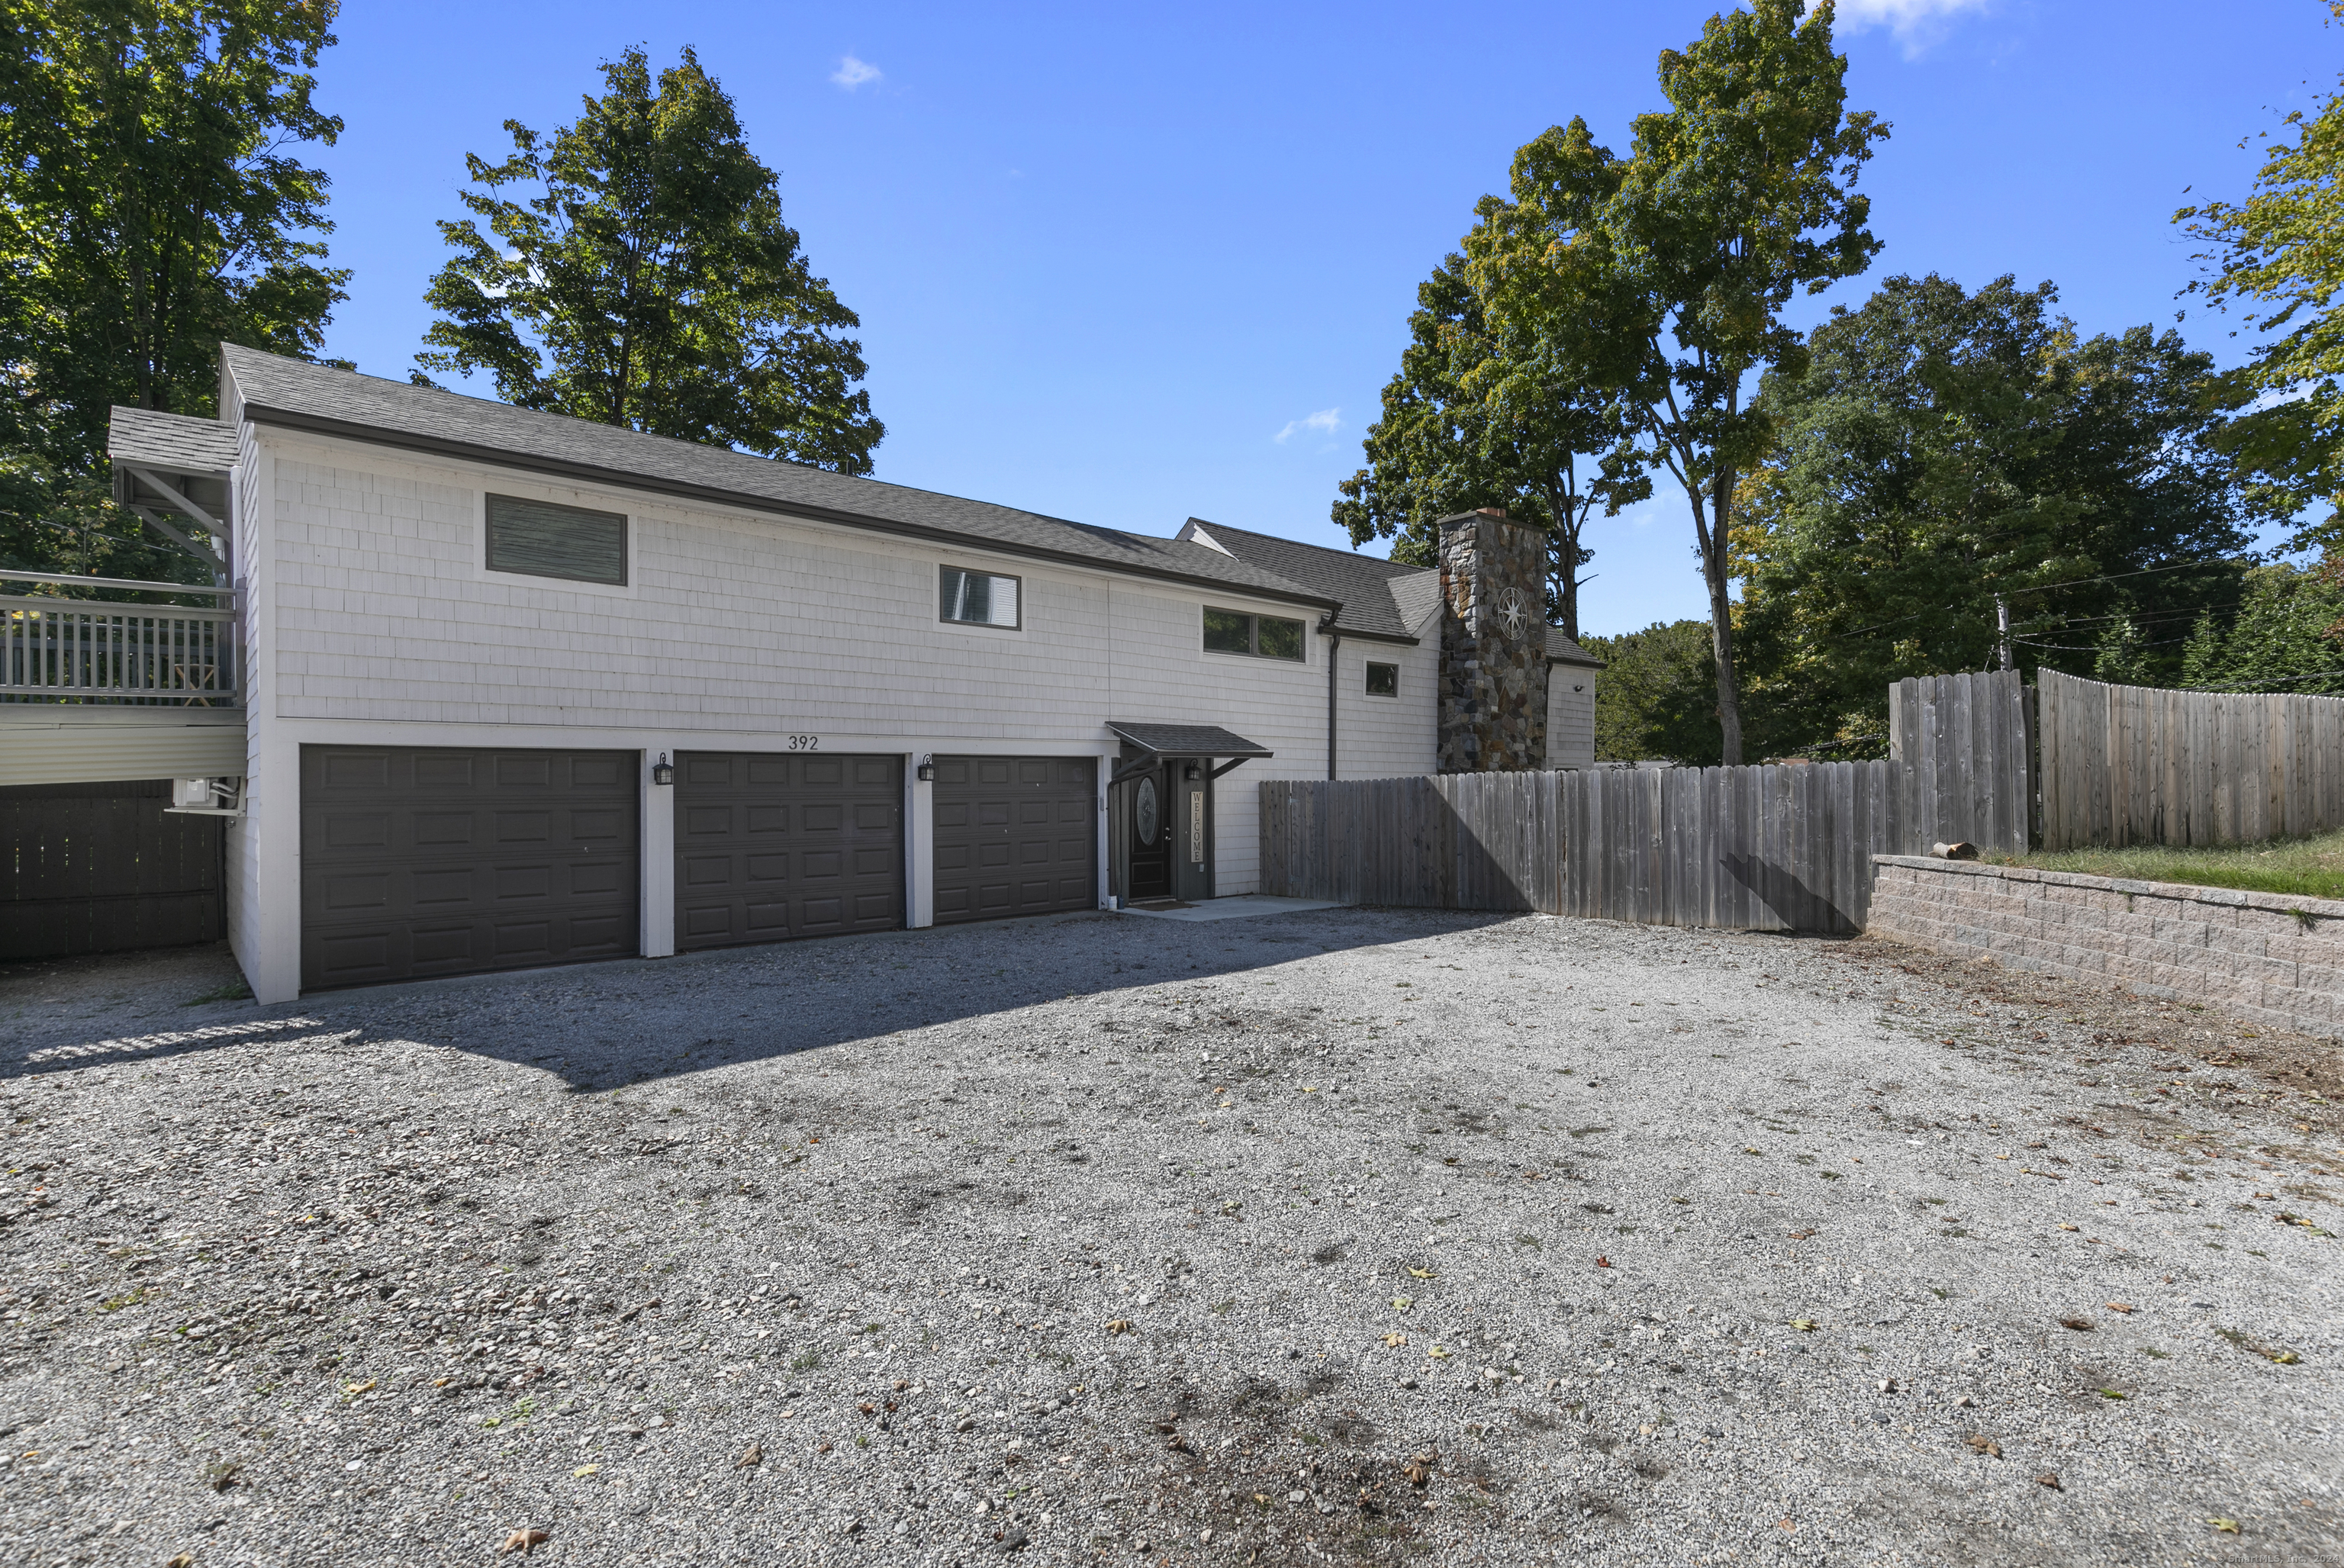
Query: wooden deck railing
pixel 55 649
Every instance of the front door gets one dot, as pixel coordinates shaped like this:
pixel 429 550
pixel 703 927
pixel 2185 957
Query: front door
pixel 1151 836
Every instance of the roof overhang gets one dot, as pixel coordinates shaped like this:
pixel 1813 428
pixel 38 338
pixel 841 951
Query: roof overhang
pixel 1155 743
pixel 176 472
pixel 745 501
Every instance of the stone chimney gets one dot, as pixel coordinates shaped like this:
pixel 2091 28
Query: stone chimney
pixel 1492 643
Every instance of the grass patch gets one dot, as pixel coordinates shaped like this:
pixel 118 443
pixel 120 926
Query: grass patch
pixel 2310 866
pixel 236 990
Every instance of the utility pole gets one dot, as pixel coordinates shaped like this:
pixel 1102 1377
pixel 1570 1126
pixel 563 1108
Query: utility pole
pixel 2002 629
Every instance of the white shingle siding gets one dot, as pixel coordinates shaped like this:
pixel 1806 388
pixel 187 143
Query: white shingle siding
pixel 385 628
pixel 1570 716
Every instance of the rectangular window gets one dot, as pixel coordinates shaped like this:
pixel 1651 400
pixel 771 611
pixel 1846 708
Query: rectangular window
pixel 978 598
pixel 1383 680
pixel 538 539
pixel 1259 636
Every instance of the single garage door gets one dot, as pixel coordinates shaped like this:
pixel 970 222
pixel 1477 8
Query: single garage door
pixel 420 862
pixel 770 847
pixel 1016 835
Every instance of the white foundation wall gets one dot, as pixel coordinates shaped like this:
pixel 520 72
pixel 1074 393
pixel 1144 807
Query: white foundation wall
pixel 1570 716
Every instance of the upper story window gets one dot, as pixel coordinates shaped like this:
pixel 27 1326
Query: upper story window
pixel 978 598
pixel 1383 680
pixel 538 539
pixel 1258 636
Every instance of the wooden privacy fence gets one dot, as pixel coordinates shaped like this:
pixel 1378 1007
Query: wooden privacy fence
pixel 1961 745
pixel 1772 848
pixel 2133 764
pixel 105 868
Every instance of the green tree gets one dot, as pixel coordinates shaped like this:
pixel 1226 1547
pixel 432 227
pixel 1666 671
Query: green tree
pixel 2283 638
pixel 1657 698
pixel 648 281
pixel 1737 196
pixel 1941 450
pixel 149 209
pixel 1476 418
pixel 2274 259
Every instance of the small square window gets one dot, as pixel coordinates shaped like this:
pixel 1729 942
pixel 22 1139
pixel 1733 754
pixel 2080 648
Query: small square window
pixel 978 599
pixel 539 539
pixel 1383 680
pixel 1258 636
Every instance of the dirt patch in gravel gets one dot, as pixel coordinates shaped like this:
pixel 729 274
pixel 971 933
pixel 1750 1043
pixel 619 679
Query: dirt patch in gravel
pixel 1358 1237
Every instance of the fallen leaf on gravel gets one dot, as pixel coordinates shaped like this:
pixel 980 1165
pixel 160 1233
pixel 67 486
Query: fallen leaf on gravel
pixel 2117 1306
pixel 1749 1148
pixel 1403 1304
pixel 1395 1341
pixel 1601 1262
pixel 2226 1526
pixel 2050 1478
pixel 1437 1353
pixel 1422 1274
pixel 1806 1325
pixel 1801 1235
pixel 584 1471
pixel 1984 1445
pixel 1417 1469
pixel 524 1542
pixel 2081 1325
pixel 756 1456
pixel 184 1560
pixel 1119 1325
pixel 2071 1228
pixel 2110 1394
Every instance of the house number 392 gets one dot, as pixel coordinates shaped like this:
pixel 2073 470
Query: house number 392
pixel 805 743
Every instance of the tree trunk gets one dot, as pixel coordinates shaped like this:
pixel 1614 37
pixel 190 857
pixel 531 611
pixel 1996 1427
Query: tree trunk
pixel 1711 537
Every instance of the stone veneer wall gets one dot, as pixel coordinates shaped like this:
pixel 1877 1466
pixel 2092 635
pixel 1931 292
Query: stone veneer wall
pixel 1492 675
pixel 2273 958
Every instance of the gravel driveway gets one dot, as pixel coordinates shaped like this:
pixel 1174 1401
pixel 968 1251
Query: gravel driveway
pixel 1346 1237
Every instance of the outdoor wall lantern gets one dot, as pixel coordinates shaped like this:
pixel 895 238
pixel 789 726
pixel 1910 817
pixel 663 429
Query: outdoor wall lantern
pixel 927 773
pixel 662 771
pixel 1190 773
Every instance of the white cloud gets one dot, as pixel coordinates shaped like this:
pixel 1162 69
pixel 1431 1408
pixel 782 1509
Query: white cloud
pixel 1916 23
pixel 853 73
pixel 1325 422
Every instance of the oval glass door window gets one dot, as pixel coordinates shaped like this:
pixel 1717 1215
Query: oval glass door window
pixel 1147 815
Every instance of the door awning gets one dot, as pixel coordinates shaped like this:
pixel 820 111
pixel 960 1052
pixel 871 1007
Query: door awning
pixel 1158 742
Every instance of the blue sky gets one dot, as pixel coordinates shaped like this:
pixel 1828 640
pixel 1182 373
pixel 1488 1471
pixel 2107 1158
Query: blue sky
pixel 1128 265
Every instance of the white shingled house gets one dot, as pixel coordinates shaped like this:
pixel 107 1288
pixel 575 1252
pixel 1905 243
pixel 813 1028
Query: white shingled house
pixel 489 689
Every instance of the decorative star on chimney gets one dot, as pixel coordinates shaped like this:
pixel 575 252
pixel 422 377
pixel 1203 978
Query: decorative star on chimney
pixel 1512 611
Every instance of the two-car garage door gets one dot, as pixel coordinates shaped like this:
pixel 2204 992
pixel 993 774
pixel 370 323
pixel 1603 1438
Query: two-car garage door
pixel 422 861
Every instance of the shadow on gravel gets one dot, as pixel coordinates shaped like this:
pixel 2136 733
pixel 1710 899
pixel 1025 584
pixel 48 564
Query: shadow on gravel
pixel 600 1026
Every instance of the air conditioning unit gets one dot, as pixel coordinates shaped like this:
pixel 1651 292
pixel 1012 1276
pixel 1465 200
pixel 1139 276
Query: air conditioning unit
pixel 207 797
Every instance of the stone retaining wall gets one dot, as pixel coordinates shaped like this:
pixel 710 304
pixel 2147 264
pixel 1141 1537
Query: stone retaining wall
pixel 2270 958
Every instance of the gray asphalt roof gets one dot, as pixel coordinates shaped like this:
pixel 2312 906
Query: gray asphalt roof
pixel 1188 740
pixel 296 394
pixel 170 442
pixel 1564 650
pixel 1418 597
pixel 1368 588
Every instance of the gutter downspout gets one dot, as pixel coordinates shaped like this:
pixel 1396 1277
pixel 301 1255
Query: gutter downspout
pixel 1334 645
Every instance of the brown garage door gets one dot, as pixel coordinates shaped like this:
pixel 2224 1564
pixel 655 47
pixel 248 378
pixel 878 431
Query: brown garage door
pixel 1016 835
pixel 419 861
pixel 770 847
